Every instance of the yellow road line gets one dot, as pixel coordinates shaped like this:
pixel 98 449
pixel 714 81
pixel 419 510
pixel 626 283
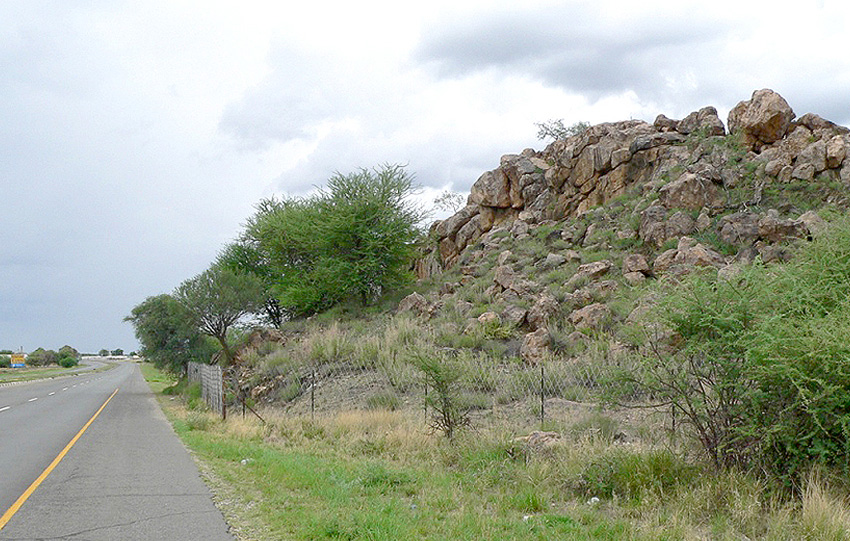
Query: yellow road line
pixel 28 492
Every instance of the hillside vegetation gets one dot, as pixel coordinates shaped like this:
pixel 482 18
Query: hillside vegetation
pixel 638 312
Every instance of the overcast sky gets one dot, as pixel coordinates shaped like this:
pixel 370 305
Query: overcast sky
pixel 135 137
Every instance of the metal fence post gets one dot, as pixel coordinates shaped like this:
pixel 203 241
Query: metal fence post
pixel 313 395
pixel 542 395
pixel 426 403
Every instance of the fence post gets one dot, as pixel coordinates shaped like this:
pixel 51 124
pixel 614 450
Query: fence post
pixel 542 395
pixel 313 395
pixel 221 390
pixel 425 402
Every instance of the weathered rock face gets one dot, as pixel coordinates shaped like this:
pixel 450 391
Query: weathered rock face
pixel 691 192
pixel 415 303
pixel 686 256
pixel 545 307
pixel 691 164
pixel 258 338
pixel 535 346
pixel 705 119
pixel 592 316
pixel 763 119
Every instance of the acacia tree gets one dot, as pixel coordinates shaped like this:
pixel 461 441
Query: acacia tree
pixel 356 238
pixel 167 335
pixel 246 255
pixel 217 299
pixel 369 229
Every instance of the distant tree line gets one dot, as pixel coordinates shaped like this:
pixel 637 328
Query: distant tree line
pixel 66 357
pixel 351 242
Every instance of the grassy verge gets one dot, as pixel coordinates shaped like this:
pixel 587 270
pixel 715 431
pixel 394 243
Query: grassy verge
pixel 25 374
pixel 377 475
pixel 157 379
pixel 8 375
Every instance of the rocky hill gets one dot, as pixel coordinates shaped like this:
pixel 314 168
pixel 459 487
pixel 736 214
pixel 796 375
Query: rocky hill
pixel 559 254
pixel 629 201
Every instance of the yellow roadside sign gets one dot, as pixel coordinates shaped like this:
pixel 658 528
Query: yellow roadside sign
pixel 18 360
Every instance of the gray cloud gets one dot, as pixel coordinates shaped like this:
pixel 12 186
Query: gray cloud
pixel 674 57
pixel 103 193
pixel 132 146
pixel 580 48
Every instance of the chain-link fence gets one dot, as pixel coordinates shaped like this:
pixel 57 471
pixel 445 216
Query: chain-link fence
pixel 210 377
pixel 477 386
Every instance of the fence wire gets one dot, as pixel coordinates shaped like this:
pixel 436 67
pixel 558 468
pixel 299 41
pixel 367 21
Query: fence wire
pixel 484 389
pixel 210 377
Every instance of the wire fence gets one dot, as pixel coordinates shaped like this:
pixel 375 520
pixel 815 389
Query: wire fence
pixel 484 390
pixel 477 386
pixel 211 379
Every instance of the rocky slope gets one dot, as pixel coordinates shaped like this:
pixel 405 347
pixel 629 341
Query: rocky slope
pixel 656 199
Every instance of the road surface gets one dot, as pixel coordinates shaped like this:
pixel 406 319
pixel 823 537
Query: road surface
pixel 127 477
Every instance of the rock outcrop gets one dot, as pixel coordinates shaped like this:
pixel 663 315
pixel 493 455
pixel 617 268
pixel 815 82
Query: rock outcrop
pixel 763 119
pixel 691 164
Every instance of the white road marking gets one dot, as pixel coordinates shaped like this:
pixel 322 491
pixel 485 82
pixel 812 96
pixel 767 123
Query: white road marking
pixel 4 408
pixel 32 399
pixel 51 394
pixel 65 389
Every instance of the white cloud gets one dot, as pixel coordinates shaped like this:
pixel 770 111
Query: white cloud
pixel 135 137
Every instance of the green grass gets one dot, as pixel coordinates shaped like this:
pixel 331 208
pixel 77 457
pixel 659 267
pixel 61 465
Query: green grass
pixel 318 493
pixel 156 378
pixel 8 375
pixel 379 475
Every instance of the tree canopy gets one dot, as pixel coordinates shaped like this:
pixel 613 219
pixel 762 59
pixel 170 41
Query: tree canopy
pixel 217 299
pixel 354 239
pixel 166 333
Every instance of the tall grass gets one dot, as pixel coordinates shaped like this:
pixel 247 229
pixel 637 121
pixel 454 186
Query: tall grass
pixel 377 475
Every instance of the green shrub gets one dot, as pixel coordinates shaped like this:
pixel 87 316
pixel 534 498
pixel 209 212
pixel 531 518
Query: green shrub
pixel 42 357
pixel 68 362
pixel 197 420
pixel 442 376
pixel 178 388
pixel 627 474
pixel 290 391
pixel 5 361
pixel 474 401
pixel 761 374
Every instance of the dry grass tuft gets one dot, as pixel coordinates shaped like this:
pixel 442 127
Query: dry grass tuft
pixel 824 515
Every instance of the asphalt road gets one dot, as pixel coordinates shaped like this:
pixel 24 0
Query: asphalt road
pixel 128 477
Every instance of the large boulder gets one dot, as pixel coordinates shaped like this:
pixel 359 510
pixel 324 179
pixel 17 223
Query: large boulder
pixel 545 307
pixel 688 255
pixel 414 303
pixel 652 229
pixel 772 228
pixel 763 119
pixel 258 338
pixel 679 225
pixel 505 276
pixel 492 189
pixel 635 263
pixel 593 316
pixel 814 154
pixel 590 271
pixel 739 228
pixel 836 150
pixel 705 120
pixel 814 224
pixel 514 315
pixel 691 192
pixel 535 346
